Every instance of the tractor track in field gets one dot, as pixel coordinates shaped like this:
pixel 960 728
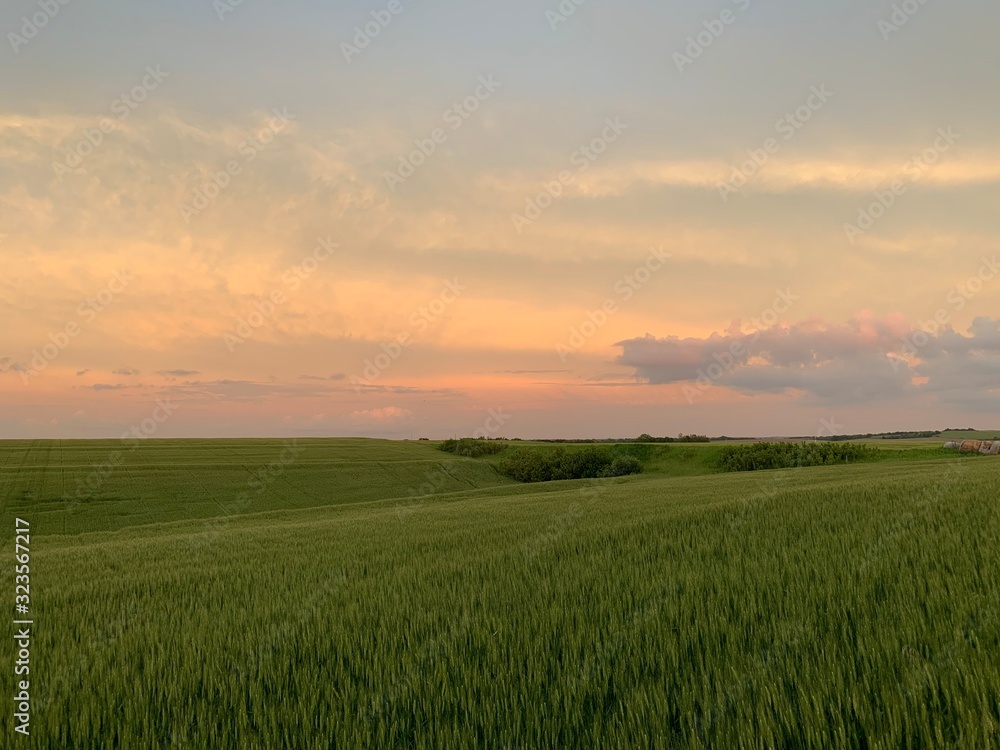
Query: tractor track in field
pixel 456 479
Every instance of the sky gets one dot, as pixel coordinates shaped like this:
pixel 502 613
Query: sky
pixel 409 218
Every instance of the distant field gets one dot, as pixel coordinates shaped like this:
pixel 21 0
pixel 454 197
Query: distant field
pixel 341 606
pixel 74 486
pixel 970 435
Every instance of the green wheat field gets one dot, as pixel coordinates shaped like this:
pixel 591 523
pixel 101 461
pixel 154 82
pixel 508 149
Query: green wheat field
pixel 351 593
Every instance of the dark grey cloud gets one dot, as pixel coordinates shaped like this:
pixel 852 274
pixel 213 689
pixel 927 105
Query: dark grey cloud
pixel 9 365
pixel 963 371
pixel 178 373
pixel 127 371
pixel 865 360
pixel 108 386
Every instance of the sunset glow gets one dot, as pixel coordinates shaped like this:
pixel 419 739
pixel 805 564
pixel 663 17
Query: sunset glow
pixel 282 235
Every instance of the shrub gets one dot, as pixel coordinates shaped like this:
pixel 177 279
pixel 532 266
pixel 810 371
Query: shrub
pixel 527 466
pixel 623 465
pixel 647 438
pixel 473 447
pixel 757 456
pixel 592 462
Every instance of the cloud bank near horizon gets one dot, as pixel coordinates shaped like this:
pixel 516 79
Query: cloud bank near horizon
pixel 866 359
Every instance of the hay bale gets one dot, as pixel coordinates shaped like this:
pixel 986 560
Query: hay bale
pixel 985 447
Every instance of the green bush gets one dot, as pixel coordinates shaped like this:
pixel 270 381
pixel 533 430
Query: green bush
pixel 473 447
pixel 623 465
pixel 592 462
pixel 757 456
pixel 647 438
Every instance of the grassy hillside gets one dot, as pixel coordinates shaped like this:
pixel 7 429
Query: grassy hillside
pixel 847 606
pixel 73 486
